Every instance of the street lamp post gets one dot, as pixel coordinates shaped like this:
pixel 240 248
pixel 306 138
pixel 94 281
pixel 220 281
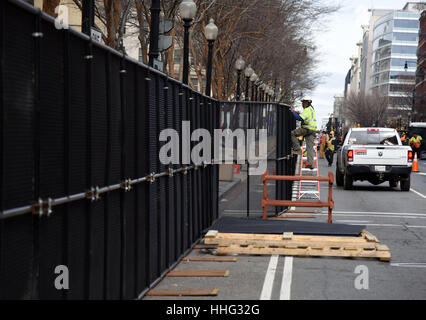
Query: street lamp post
pixel 210 32
pixel 88 16
pixel 253 79
pixel 248 72
pixel 239 66
pixel 187 10
pixel 154 31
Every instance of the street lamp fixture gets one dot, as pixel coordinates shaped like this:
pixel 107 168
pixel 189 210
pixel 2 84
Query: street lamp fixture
pixel 187 9
pixel 248 72
pixel 253 79
pixel 210 32
pixel 239 66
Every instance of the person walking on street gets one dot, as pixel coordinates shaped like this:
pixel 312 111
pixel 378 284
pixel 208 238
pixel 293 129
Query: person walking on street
pixel 329 152
pixel 415 143
pixel 307 130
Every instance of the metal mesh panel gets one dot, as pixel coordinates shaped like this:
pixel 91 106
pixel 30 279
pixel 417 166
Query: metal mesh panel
pixel 113 242
pixel 77 144
pixel 142 190
pixel 129 212
pixel 153 188
pixel 52 178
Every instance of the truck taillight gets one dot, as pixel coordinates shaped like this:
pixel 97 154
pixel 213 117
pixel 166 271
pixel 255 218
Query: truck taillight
pixel 350 155
pixel 410 156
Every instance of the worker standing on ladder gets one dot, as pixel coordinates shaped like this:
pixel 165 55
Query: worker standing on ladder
pixel 307 130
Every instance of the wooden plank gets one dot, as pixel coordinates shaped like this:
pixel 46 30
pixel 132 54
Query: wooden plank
pixel 210 259
pixel 201 246
pixel 272 237
pixel 292 217
pixel 183 292
pixel 367 235
pixel 287 235
pixel 325 252
pixel 298 243
pixel 211 234
pixel 303 211
pixel 198 273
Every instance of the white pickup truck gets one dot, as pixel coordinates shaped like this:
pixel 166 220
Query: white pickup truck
pixel 376 155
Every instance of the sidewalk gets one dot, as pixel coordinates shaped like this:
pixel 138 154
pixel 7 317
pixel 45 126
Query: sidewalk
pixel 226 186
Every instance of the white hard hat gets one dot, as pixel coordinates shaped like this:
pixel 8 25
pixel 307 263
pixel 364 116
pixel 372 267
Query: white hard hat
pixel 306 98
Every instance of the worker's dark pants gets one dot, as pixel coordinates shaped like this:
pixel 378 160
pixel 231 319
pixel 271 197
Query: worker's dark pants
pixel 329 155
pixel 309 136
pixel 416 150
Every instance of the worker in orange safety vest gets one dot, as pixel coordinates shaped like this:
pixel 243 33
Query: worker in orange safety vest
pixel 415 143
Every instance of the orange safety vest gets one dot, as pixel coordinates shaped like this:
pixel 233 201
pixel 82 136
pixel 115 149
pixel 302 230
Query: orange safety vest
pixel 416 141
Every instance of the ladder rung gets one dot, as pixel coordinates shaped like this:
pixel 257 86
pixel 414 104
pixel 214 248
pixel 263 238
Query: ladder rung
pixel 311 192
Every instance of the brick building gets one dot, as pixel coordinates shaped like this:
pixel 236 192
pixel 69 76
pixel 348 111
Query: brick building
pixel 419 112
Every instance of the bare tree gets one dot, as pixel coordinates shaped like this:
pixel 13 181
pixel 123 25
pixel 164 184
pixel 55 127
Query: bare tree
pixel 367 110
pixel 274 36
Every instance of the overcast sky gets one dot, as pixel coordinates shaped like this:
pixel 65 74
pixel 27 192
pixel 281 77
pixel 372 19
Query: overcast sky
pixel 338 43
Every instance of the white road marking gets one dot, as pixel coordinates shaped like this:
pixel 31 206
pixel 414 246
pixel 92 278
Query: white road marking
pixel 377 225
pixel 409 265
pixel 415 226
pixel 421 173
pixel 269 279
pixel 370 216
pixel 286 282
pixel 351 221
pixel 367 213
pixel 418 193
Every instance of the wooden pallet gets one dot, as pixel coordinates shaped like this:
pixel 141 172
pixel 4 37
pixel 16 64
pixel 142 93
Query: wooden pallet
pixel 365 246
pixel 182 292
pixel 198 273
pixel 209 259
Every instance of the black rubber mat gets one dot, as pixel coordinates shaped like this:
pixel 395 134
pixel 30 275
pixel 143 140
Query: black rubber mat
pixel 244 225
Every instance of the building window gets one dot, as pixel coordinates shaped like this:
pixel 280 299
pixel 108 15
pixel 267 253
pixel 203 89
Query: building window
pixel 411 24
pixel 400 36
pixel 140 55
pixel 404 50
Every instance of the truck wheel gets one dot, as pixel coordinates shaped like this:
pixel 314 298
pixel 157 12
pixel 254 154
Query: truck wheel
pixel 405 184
pixel 347 181
pixel 339 177
pixel 393 183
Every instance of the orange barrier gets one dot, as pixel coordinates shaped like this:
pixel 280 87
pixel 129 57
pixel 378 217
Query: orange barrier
pixel 289 203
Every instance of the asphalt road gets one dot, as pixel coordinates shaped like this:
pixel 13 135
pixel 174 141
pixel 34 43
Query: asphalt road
pixel 396 218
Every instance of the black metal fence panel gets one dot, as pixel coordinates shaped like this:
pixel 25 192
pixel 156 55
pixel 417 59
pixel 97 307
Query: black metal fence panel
pixel 278 122
pixel 81 183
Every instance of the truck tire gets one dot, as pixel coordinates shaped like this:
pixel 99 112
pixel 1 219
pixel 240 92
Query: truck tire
pixel 393 183
pixel 347 181
pixel 405 184
pixel 339 177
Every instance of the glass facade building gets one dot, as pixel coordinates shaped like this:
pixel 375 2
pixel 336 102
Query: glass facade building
pixel 395 42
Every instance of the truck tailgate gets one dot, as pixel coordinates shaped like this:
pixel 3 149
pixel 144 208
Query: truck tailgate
pixel 380 155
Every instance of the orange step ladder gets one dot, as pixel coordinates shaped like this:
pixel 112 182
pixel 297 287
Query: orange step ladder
pixel 305 186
